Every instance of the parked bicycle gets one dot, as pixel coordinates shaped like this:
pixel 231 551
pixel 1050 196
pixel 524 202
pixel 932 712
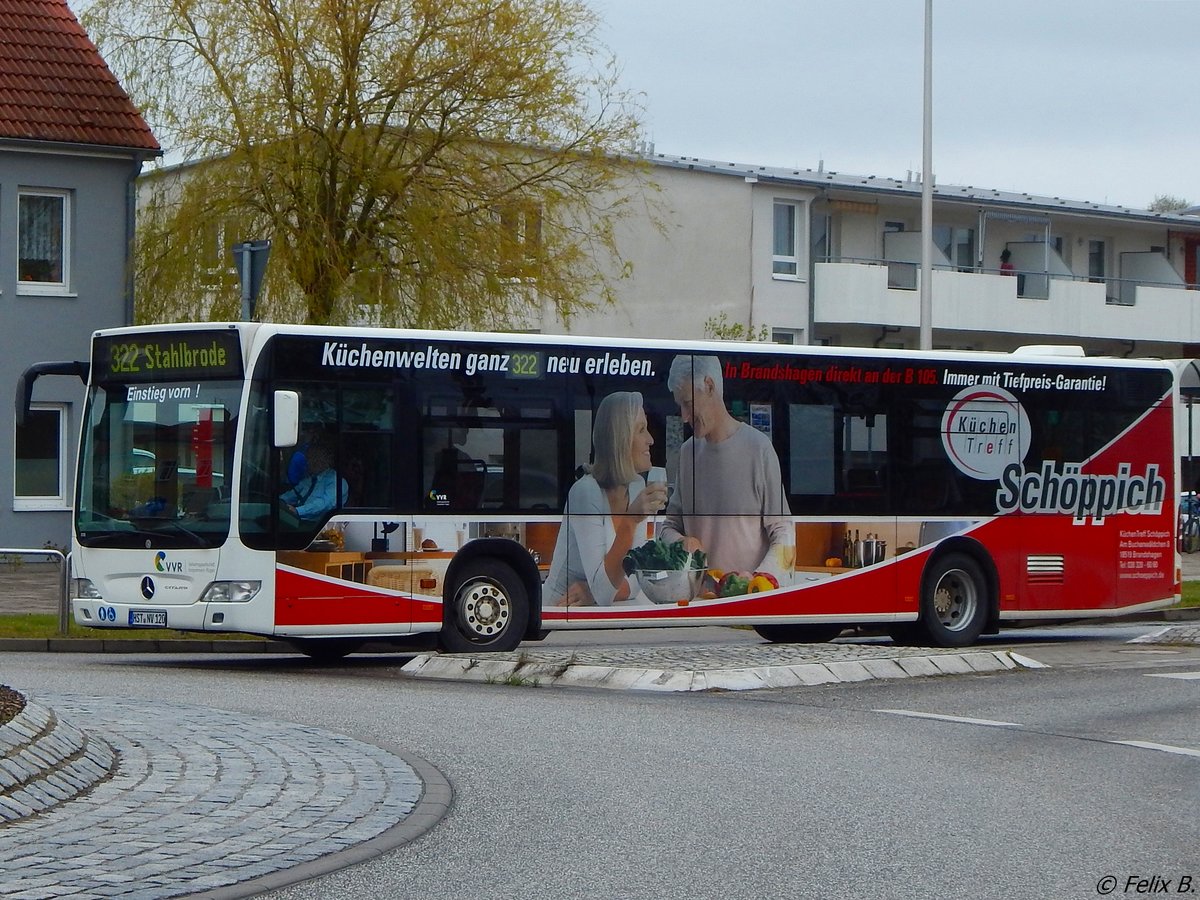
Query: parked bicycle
pixel 1189 523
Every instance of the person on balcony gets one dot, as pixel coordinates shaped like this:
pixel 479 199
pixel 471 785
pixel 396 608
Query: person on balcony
pixel 1006 266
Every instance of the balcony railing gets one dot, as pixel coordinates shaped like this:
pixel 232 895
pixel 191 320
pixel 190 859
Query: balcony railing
pixel 884 292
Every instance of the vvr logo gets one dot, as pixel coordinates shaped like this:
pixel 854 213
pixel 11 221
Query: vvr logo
pixel 162 564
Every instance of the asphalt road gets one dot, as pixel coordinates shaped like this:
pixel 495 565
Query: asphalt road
pixel 1016 789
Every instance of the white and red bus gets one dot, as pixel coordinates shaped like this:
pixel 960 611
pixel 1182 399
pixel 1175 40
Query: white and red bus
pixel 330 486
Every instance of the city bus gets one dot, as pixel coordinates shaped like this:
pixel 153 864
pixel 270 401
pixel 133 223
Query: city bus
pixel 333 486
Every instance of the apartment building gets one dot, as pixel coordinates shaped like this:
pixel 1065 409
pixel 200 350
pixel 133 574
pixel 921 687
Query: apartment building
pixel 819 256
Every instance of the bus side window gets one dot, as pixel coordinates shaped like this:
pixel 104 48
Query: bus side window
pixel 367 451
pixel 457 478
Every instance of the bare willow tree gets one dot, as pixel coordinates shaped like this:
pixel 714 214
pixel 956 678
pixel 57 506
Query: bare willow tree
pixel 436 163
pixel 1167 203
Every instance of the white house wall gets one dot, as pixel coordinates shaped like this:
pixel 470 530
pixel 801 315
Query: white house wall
pixel 695 267
pixel 712 255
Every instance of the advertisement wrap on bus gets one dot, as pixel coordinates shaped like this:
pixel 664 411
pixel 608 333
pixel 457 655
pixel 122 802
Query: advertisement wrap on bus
pixel 331 486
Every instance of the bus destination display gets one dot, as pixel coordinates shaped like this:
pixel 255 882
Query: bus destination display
pixel 179 355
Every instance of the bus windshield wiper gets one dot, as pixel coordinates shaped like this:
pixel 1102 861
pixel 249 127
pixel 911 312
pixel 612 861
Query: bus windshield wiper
pixel 173 527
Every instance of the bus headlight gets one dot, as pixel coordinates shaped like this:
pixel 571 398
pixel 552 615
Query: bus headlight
pixel 83 589
pixel 231 591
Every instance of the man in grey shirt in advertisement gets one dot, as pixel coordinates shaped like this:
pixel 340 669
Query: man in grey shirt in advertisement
pixel 728 500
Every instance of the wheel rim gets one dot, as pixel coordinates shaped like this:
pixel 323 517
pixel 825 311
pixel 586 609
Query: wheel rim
pixel 955 599
pixel 484 610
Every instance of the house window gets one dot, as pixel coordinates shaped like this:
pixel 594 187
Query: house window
pixel 521 240
pixel 43 241
pixel 39 471
pixel 218 264
pixel 1096 256
pixel 958 244
pixel 785 252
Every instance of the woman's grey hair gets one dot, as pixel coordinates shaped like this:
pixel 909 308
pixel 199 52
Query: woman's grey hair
pixel 687 368
pixel 612 438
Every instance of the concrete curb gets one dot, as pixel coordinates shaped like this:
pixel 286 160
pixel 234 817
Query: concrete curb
pixel 524 670
pixel 45 761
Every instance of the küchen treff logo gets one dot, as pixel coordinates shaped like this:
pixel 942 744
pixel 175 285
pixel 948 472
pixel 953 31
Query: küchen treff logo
pixel 984 430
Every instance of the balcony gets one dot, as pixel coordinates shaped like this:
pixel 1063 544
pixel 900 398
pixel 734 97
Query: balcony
pixel 1037 304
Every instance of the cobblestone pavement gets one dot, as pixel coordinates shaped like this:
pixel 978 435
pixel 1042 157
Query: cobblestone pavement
pixel 203 800
pixel 1172 634
pixel 45 761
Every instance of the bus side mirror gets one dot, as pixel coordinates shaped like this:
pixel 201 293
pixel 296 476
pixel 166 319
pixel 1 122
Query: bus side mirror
pixel 287 419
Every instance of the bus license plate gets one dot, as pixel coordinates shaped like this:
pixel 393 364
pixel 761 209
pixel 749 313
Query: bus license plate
pixel 148 618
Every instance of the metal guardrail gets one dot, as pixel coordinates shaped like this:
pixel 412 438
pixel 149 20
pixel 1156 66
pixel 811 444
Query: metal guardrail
pixel 64 578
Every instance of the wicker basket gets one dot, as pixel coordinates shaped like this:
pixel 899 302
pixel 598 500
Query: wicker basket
pixel 409 579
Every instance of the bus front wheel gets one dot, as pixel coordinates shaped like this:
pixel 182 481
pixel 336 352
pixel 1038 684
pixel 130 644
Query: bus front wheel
pixel 954 601
pixel 488 609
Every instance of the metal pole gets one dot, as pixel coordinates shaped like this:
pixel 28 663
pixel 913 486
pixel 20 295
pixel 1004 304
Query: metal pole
pixel 243 252
pixel 927 188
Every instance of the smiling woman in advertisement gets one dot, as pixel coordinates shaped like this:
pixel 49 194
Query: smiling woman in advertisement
pixel 606 509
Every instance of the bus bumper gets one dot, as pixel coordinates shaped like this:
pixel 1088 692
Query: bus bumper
pixel 146 616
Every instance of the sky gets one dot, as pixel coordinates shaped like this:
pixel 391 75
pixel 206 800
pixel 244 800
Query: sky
pixel 1079 99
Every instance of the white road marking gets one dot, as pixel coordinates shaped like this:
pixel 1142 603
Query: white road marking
pixel 964 720
pixel 992 723
pixel 1186 676
pixel 1165 748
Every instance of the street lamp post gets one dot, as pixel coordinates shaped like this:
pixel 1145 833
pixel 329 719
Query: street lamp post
pixel 927 188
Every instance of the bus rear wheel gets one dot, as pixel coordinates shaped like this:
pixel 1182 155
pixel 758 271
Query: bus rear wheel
pixel 954 601
pixel 798 634
pixel 487 609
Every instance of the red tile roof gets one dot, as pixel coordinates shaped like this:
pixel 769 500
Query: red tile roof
pixel 55 87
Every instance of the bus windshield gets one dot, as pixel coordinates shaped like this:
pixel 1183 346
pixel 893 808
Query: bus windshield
pixel 155 464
